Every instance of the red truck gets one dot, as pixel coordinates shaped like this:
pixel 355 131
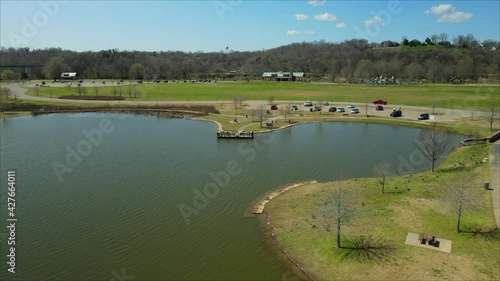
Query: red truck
pixel 380 102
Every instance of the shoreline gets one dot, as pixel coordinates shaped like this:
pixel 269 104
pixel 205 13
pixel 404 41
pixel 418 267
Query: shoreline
pixel 259 208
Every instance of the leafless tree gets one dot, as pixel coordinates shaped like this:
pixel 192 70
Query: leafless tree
pixel 338 210
pixel 491 115
pixel 271 99
pixel 287 107
pixel 382 170
pixel 461 196
pixel 320 104
pixel 4 96
pixel 443 37
pixel 261 114
pixel 434 38
pixel 235 102
pixel 96 90
pixel 433 145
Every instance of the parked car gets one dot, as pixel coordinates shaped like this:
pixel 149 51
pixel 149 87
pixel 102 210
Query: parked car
pixel 294 108
pixel 396 113
pixel 350 106
pixel 380 102
pixel 332 109
pixel 274 107
pixel 354 110
pixel 326 103
pixel 423 116
pixel 379 107
pixel 340 109
pixel 316 108
pixel 308 103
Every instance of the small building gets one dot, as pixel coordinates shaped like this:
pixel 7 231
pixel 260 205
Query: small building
pixel 68 75
pixel 283 76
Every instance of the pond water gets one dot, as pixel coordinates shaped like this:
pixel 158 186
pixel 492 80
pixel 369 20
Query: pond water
pixel 131 197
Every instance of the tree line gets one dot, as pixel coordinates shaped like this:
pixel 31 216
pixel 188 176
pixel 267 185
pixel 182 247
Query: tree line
pixel 352 60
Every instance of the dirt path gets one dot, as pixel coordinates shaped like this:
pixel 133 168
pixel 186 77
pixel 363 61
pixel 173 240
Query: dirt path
pixel 495 178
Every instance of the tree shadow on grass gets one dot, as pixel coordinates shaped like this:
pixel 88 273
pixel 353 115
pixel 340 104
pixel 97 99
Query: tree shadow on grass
pixel 488 234
pixel 368 249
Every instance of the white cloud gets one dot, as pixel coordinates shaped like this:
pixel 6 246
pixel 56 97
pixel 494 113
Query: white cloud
pixel 325 17
pixel 316 2
pixel 372 21
pixel 297 32
pixel 293 32
pixel 301 17
pixel 448 13
pixel 454 17
pixel 340 25
pixel 440 9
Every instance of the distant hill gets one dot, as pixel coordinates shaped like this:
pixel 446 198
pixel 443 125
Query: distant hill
pixel 353 60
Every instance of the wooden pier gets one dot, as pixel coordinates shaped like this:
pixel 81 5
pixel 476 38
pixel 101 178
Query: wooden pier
pixel 234 135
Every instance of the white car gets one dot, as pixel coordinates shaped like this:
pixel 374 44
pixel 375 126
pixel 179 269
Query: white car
pixel 354 110
pixel 340 109
pixel 308 103
pixel 350 106
pixel 294 108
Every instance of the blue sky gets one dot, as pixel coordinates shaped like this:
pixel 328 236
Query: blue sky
pixel 241 25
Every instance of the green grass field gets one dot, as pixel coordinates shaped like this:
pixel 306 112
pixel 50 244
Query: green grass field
pixel 410 204
pixel 441 95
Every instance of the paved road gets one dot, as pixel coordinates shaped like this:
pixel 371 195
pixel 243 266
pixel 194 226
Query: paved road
pixel 495 178
pixel 409 112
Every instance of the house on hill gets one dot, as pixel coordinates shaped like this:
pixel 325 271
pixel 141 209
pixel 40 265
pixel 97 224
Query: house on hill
pixel 283 76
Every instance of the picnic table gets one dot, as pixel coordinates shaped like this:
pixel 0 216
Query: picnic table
pixel 428 238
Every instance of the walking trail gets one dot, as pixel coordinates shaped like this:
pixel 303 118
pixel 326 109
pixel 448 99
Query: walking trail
pixel 495 178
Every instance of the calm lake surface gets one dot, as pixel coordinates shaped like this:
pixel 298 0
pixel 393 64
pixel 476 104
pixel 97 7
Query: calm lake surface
pixel 116 212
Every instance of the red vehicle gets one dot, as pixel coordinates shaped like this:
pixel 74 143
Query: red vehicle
pixel 379 107
pixel 380 102
pixel 274 107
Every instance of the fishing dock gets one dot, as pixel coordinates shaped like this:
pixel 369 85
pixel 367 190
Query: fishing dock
pixel 234 135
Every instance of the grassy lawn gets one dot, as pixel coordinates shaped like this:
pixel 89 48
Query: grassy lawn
pixel 410 204
pixel 441 95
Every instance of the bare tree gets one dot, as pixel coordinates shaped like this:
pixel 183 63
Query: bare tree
pixel 382 170
pixel 338 210
pixel 443 37
pixel 491 115
pixel 287 107
pixel 320 102
pixel 235 102
pixel 461 196
pixel 261 113
pixel 96 90
pixel 434 38
pixel 271 99
pixel 433 145
pixel 4 96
